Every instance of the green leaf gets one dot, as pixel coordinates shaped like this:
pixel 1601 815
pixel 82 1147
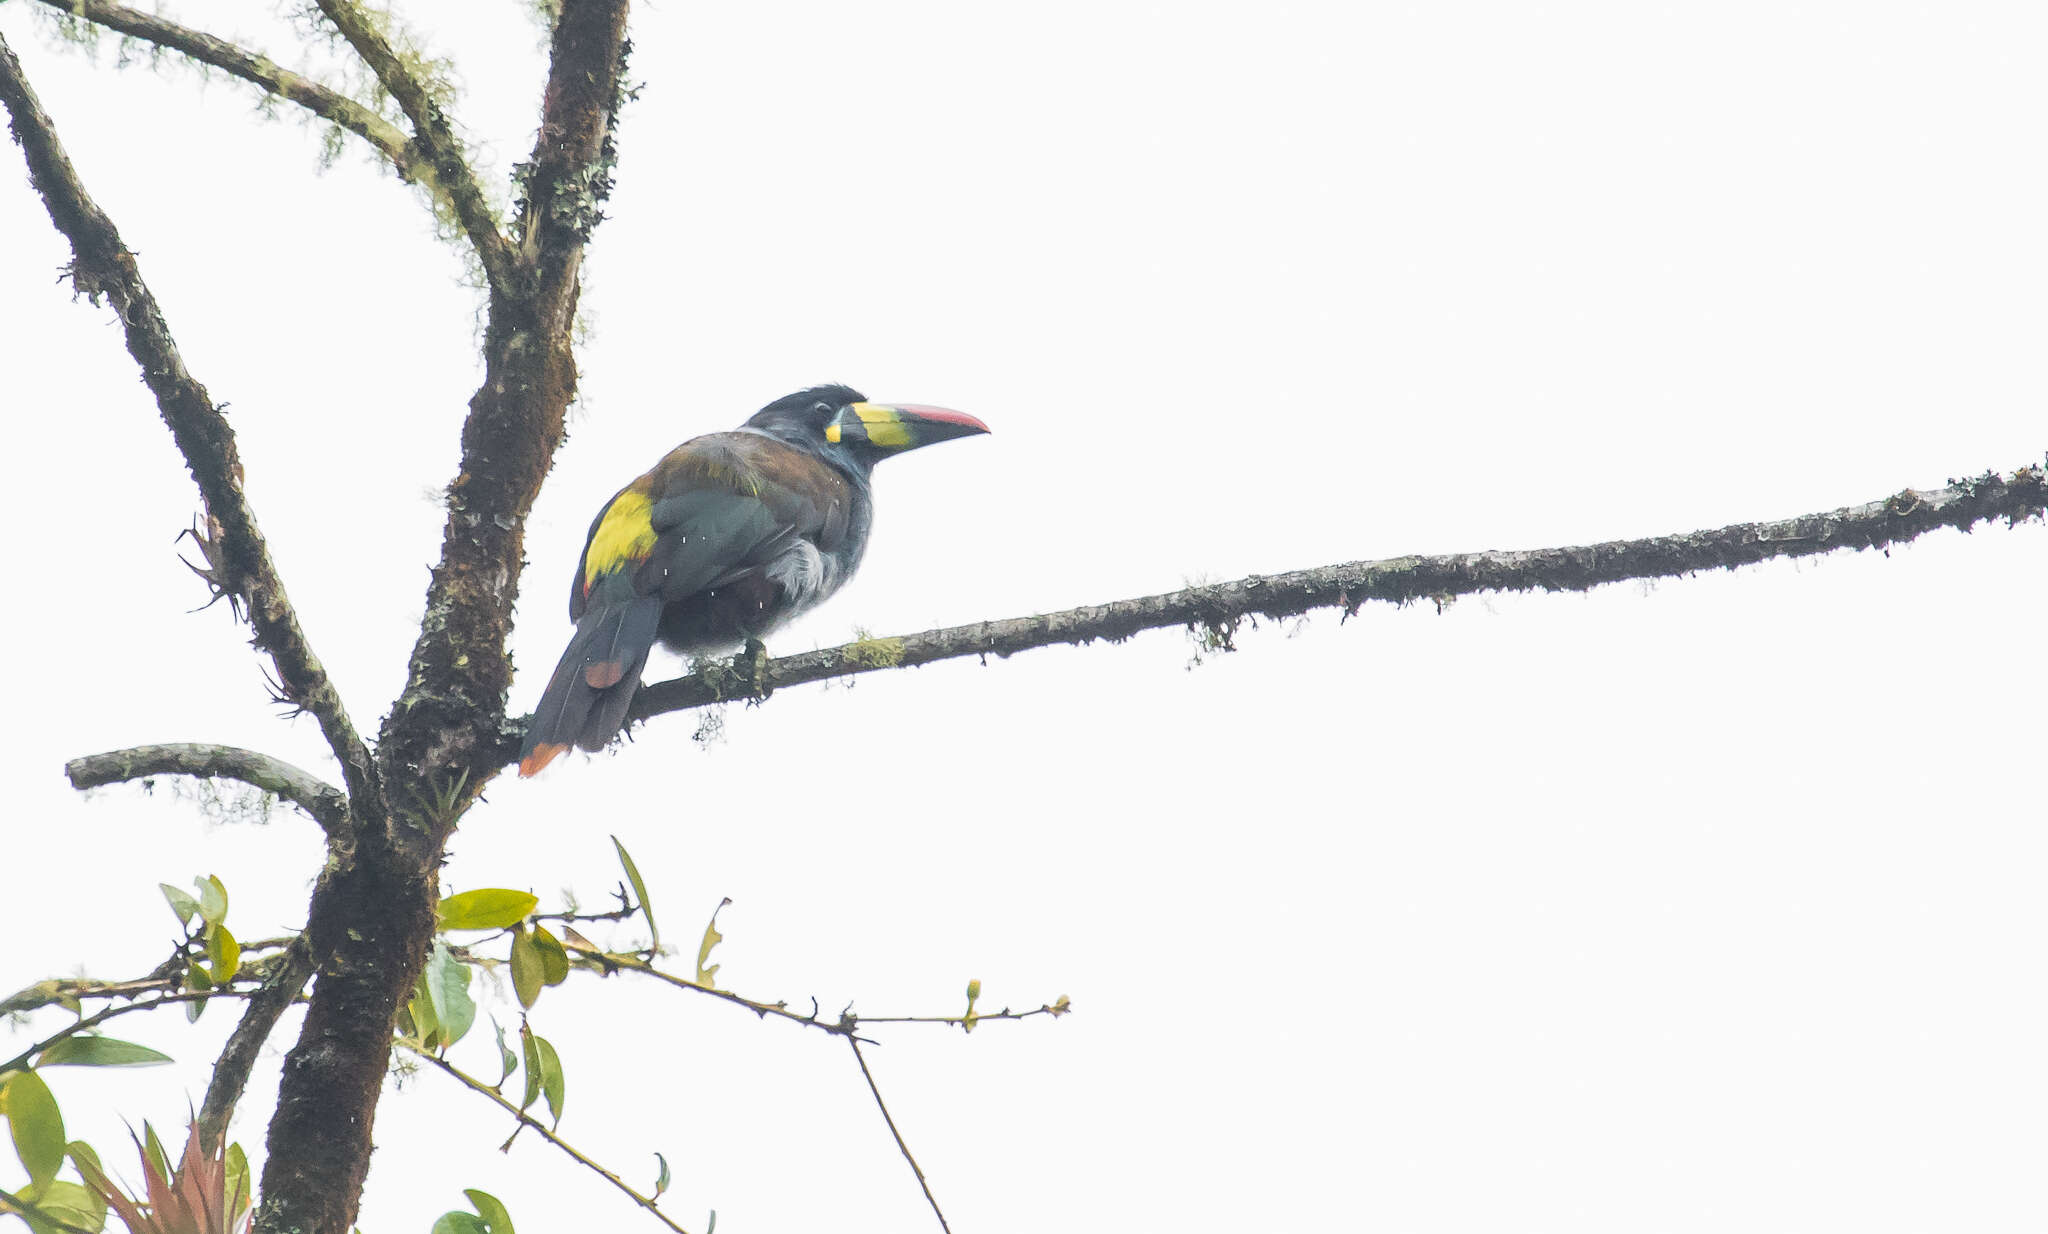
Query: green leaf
pixel 87 1163
pixel 529 972
pixel 35 1123
pixel 488 908
pixel 639 892
pixel 496 1219
pixel 969 1020
pixel 153 1155
pixel 552 1081
pixel 661 1179
pixel 196 980
pixel 182 904
pixel 83 1155
pixel 460 1223
pixel 447 980
pixel 87 1051
pixel 239 1191
pixel 67 1202
pixel 506 1058
pixel 707 974
pixel 554 960
pixel 224 953
pixel 531 1050
pixel 213 899
pixel 426 1026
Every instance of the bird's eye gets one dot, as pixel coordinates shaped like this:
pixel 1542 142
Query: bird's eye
pixel 825 407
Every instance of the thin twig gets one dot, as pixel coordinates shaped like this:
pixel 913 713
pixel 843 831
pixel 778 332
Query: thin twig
pixel 633 964
pixel 59 990
pixel 327 804
pixel 1054 1009
pixel 478 1086
pixel 844 1026
pixel 107 1013
pixel 103 267
pixel 434 136
pixel 1217 611
pixel 387 139
pixel 882 1105
pixel 625 912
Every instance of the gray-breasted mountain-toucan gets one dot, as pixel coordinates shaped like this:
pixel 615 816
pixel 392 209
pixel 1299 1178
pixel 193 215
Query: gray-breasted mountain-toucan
pixel 728 537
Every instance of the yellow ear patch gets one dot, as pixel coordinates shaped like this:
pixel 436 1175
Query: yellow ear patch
pixel 885 428
pixel 624 537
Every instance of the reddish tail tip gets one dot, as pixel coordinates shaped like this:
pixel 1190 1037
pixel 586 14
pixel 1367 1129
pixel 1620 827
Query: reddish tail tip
pixel 542 755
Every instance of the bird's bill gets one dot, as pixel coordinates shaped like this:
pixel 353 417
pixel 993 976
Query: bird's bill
pixel 900 426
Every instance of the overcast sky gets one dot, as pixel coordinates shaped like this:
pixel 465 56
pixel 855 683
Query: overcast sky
pixel 1704 906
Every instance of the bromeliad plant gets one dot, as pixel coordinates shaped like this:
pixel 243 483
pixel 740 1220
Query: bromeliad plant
pixel 208 1192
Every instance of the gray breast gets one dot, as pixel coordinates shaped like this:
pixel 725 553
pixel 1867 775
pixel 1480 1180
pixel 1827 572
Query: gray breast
pixel 805 576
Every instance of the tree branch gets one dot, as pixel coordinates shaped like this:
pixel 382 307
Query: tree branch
pixel 103 266
pixel 442 163
pixel 459 674
pixel 633 964
pixel 478 1086
pixel 1216 611
pixel 107 1013
pixel 238 1057
pixel 327 804
pixel 166 979
pixel 282 977
pixel 385 137
pixel 371 920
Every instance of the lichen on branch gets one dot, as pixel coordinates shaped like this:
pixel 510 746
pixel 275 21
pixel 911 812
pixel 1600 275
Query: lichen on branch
pixel 1215 611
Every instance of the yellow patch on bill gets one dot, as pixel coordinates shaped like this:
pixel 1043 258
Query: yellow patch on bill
pixel 624 537
pixel 885 428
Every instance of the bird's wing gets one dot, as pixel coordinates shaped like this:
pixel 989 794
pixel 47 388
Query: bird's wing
pixel 717 508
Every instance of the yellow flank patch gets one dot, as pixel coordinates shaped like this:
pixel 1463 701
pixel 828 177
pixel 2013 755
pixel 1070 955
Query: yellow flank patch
pixel 624 537
pixel 885 428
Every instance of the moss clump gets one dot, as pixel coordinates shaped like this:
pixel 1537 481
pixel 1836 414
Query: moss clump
pixel 871 652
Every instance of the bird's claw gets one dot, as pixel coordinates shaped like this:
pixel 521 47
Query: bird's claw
pixel 751 667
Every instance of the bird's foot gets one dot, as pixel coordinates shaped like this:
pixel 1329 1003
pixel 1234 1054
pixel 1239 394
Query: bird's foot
pixel 751 667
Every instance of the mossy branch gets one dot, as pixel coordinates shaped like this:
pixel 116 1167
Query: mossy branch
pixel 1216 611
pixel 103 268
pixel 258 70
pixel 327 804
pixel 441 162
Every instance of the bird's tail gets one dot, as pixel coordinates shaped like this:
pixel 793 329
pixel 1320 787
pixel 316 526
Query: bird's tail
pixel 585 703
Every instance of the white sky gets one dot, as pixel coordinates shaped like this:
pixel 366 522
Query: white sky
pixel 1706 906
